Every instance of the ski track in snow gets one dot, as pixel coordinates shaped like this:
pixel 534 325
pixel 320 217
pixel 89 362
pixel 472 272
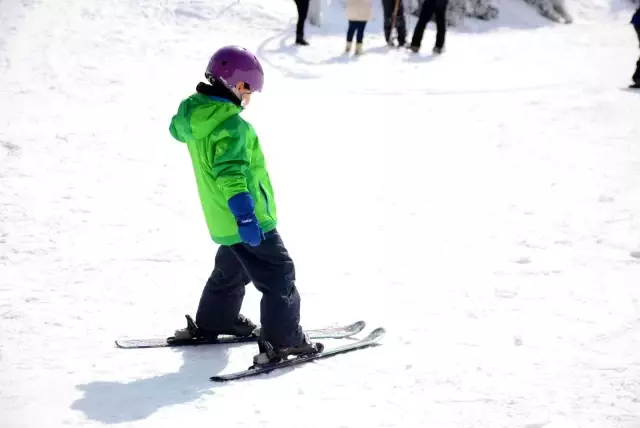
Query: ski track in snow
pixel 482 206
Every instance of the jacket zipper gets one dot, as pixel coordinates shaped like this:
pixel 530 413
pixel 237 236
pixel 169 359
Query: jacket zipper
pixel 266 198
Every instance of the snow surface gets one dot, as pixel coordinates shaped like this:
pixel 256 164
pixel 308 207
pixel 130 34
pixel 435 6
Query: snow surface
pixel 482 206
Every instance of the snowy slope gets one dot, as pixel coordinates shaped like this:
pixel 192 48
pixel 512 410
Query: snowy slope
pixel 482 206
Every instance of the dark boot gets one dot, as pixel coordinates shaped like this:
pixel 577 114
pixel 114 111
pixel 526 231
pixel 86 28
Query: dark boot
pixel 268 354
pixel 242 327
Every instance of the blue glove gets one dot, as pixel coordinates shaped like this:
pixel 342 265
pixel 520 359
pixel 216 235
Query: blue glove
pixel 241 206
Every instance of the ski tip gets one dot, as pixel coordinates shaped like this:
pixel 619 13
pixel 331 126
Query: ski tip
pixel 122 344
pixel 140 343
pixel 376 334
pixel 357 326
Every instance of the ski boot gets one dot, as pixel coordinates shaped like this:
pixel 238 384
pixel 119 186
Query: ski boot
pixel 242 327
pixel 437 50
pixel 268 354
pixel 347 48
pixel 359 50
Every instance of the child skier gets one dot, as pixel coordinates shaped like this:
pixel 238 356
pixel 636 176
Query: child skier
pixel 240 211
pixel 358 13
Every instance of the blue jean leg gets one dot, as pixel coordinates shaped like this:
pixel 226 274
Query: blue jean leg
pixel 356 28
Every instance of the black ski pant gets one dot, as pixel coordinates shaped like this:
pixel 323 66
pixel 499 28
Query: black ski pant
pixel 272 272
pixel 429 8
pixel 636 75
pixel 401 25
pixel 303 10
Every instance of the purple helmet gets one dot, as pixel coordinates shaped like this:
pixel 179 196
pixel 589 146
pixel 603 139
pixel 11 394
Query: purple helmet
pixel 233 64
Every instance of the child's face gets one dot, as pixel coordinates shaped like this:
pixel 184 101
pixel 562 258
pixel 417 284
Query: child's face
pixel 245 94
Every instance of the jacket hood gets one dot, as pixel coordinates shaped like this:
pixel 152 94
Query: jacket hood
pixel 202 112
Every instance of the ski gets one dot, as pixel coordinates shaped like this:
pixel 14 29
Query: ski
pixel 321 333
pixel 372 339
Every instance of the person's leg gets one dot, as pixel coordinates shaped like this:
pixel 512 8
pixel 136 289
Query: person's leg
pixel 303 10
pixel 360 36
pixel 387 10
pixel 219 307
pixel 441 23
pixel 360 26
pixel 351 31
pixel 222 296
pixel 425 16
pixel 401 24
pixel 636 74
pixel 273 273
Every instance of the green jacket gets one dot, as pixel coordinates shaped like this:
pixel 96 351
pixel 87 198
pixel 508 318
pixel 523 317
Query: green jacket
pixel 227 160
